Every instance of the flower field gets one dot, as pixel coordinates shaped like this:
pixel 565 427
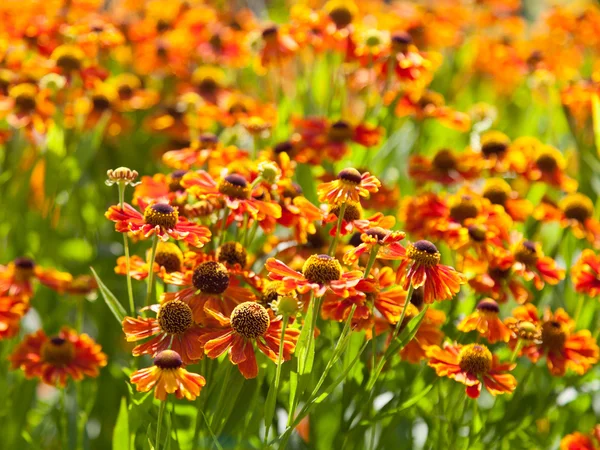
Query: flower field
pixel 299 225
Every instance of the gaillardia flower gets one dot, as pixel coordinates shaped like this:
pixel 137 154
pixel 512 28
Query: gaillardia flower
pixel 168 376
pixel 350 185
pixel 472 365
pixel 585 273
pixel 16 278
pixel 54 359
pixel 486 321
pixel 248 323
pixel 161 219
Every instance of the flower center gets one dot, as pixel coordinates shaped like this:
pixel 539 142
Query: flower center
pixel 417 297
pixel 350 176
pixel 488 307
pixel 377 233
pixel 339 131
pixel 283 147
pixel 341 16
pixel 175 317
pixel 554 335
pixel 477 233
pixel 525 330
pixel 444 160
pixel 232 253
pixel 497 191
pixel 100 103
pixel 577 207
pixel 269 293
pixel 168 359
pixel 423 253
pixel 465 209
pixel 546 162
pixel 234 186
pixel 269 34
pixel 250 320
pixel 400 42
pixel 475 359
pixel 175 180
pixel 208 141
pixel 321 269
pixel 25 103
pixel 68 62
pixel 161 215
pixel 527 253
pixel 352 212
pixel 169 256
pixel 58 351
pixel 494 148
pixel 211 277
pixel 24 268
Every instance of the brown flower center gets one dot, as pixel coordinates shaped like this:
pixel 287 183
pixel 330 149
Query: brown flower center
pixel 24 268
pixel 546 162
pixel 423 253
pixel 234 186
pixel 475 359
pixel 168 359
pixel 232 253
pixel 577 207
pixel 269 293
pixel 250 320
pixel 321 269
pixel 527 253
pixel 477 233
pixel 494 148
pixel 444 160
pixel 175 317
pixel 465 209
pixel 554 335
pixel 341 16
pixel 169 256
pixel 352 211
pixel 350 176
pixel 339 131
pixel 161 215
pixel 174 180
pixel 488 306
pixel 211 277
pixel 497 191
pixel 58 351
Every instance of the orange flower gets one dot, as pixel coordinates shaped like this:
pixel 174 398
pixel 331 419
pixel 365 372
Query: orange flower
pixel 384 240
pixel 161 188
pixel 420 266
pixel 278 46
pixel 429 333
pixel 55 359
pixel 167 376
pixel 16 278
pixel 349 186
pixel 531 264
pixel 486 321
pixel 12 309
pixel 472 365
pixel 585 273
pixel 168 259
pixel 563 347
pixel 248 323
pixel 353 221
pixel 499 192
pixel 161 219
pixel 548 165
pixel 320 273
pixel 446 167
pixel 174 327
pixel 577 441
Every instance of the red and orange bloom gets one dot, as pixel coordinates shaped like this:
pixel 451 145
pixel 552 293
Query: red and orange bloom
pixel 428 334
pixel 563 347
pixel 353 221
pixel 55 359
pixel 531 264
pixel 420 266
pixel 585 273
pixel 168 376
pixel 385 241
pixel 16 278
pixel 446 167
pixel 350 185
pixel 499 192
pixel 548 165
pixel 580 441
pixel 168 259
pixel 320 273
pixel 249 323
pixel 173 328
pixel 278 46
pixel 12 309
pixel 486 321
pixel 472 365
pixel 159 219
pixel 161 188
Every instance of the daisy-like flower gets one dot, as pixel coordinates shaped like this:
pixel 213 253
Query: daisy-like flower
pixel 121 175
pixel 161 188
pixel 420 266
pixel 167 376
pixel 531 264
pixel 385 240
pixel 12 309
pixel 350 185
pixel 161 219
pixel 16 278
pixel 353 220
pixel 54 359
pixel 548 165
pixel 486 321
pixel 278 46
pixel 580 441
pixel 585 273
pixel 249 323
pixel 446 167
pixel 320 273
pixel 168 259
pixel 174 327
pixel 499 192
pixel 563 347
pixel 472 365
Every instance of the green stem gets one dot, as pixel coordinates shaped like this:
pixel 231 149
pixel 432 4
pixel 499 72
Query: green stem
pixel 80 305
pixel 284 324
pixel 223 231
pixel 371 261
pixel 515 353
pixel 161 413
pixel 63 417
pixel 217 416
pixel 579 308
pixel 338 228
pixel 127 258
pixel 151 271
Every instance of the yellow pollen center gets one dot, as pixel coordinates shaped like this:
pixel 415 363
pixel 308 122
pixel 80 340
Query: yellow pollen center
pixel 161 215
pixel 58 351
pixel 175 317
pixel 250 320
pixel 321 269
pixel 475 359
pixel 232 253
pixel 211 277
pixel 423 257
pixel 233 187
pixel 169 256
pixel 352 212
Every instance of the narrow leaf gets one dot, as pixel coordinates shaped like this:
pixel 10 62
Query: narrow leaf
pixel 111 301
pixel 120 439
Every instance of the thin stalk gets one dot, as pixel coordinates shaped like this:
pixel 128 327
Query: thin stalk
pixel 284 324
pixel 151 270
pixel 80 304
pixel 161 413
pixel 63 417
pixel 371 261
pixel 338 228
pixel 515 353
pixel 127 258
pixel 223 231
pixel 579 308
pixel 216 417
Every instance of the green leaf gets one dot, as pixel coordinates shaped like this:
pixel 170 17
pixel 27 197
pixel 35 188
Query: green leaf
pixel 111 301
pixel 596 119
pixel 305 349
pixel 121 432
pixel 405 405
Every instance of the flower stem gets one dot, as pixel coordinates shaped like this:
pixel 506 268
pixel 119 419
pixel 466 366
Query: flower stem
pixel 151 271
pixel 515 353
pixel 127 258
pixel 338 228
pixel 161 413
pixel 372 258
pixel 63 417
pixel 284 324
pixel 80 304
pixel 579 308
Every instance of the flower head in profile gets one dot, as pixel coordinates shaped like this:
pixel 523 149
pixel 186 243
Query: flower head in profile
pixel 121 175
pixel 167 376
pixel 320 273
pixel 580 441
pixel 54 359
pixel 485 319
pixel 585 273
pixel 473 365
pixel 375 237
pixel 17 277
pixel 563 347
pixel 350 185
pixel 12 309
pixel 532 264
pixel 159 219
pixel 249 323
